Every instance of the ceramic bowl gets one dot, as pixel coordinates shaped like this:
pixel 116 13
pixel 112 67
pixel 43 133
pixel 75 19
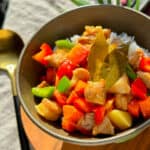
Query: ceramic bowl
pixel 117 18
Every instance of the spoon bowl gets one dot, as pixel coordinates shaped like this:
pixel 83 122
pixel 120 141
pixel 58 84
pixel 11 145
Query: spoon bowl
pixel 11 45
pixel 10 48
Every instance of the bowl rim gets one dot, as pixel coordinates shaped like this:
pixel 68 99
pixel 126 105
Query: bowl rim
pixel 120 137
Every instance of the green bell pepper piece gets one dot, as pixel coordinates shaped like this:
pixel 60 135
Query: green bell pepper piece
pixel 130 72
pixel 63 85
pixel 64 44
pixel 45 92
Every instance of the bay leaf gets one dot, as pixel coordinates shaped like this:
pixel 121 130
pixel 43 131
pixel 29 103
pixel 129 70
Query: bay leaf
pixel 99 51
pixel 114 66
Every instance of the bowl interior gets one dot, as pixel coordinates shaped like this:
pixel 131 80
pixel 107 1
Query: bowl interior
pixel 117 18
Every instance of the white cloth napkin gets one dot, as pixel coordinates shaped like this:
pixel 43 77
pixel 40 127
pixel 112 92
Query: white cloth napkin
pixel 24 17
pixel 8 131
pixel 27 16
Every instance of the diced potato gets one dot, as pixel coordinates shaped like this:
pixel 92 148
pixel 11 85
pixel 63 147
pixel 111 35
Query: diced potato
pixel 120 119
pixel 48 109
pixel 121 86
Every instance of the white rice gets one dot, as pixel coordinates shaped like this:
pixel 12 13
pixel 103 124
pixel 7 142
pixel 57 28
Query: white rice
pixel 125 38
pixel 75 38
pixel 134 46
pixel 122 38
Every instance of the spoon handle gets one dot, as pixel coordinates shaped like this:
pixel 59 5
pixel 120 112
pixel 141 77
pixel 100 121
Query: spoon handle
pixel 23 138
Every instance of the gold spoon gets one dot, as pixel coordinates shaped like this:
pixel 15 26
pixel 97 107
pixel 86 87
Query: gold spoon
pixel 10 47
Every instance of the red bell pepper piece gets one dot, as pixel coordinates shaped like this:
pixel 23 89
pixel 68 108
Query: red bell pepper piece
pixel 60 98
pixel 145 107
pixel 71 116
pixel 43 78
pixel 138 89
pixel 66 69
pixel 82 105
pixel 71 113
pixel 68 125
pixel 50 75
pixel 40 56
pixel 84 64
pixel 47 48
pixel 84 131
pixel 79 88
pixel 99 113
pixel 134 108
pixel 145 64
pixel 56 80
pixel 72 97
pixel 78 54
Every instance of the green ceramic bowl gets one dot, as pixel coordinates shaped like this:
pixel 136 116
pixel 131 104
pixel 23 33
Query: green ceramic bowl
pixel 119 19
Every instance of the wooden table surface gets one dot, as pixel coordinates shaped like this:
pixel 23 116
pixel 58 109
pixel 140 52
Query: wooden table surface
pixel 42 141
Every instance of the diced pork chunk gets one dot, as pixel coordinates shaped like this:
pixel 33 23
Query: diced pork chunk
pixel 80 74
pixel 105 127
pixel 107 32
pixel 86 123
pixel 48 109
pixel 87 40
pixel 145 76
pixel 95 92
pixel 121 86
pixel 135 57
pixel 56 58
pixel 88 36
pixel 42 84
pixel 91 30
pixel 121 101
